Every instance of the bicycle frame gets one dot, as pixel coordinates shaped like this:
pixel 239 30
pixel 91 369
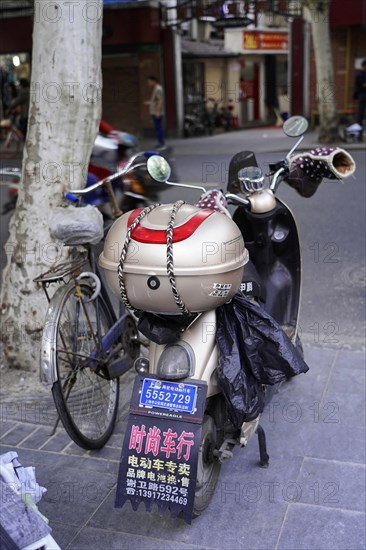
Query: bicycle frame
pixel 114 333
pixel 120 366
pixel 70 273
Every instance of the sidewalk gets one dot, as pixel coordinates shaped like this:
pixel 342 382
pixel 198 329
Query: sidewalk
pixel 312 496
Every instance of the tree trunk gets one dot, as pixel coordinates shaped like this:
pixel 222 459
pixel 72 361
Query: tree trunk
pixel 64 114
pixel 318 13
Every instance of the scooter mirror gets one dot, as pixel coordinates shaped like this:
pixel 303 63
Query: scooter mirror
pixel 158 168
pixel 295 126
pixel 251 179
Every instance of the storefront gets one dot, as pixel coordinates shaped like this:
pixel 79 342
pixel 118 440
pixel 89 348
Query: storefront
pixel 260 75
pixel 134 46
pixel 205 67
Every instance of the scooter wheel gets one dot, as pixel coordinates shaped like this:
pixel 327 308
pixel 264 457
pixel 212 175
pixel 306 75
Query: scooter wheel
pixel 189 130
pixel 209 467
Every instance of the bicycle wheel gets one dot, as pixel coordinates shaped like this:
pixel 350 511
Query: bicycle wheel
pixel 86 400
pixel 9 145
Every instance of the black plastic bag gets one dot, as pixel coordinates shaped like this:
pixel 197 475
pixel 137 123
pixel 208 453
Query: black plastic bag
pixel 254 350
pixel 163 329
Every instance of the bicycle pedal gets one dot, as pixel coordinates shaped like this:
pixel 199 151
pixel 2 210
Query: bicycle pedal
pixel 118 367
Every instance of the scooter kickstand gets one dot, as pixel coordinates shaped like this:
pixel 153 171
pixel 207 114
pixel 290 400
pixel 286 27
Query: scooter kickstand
pixel 264 458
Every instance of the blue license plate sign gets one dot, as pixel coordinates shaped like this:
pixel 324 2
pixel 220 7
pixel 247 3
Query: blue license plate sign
pixel 174 396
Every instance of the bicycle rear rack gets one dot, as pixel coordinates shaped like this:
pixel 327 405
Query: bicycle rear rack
pixel 63 271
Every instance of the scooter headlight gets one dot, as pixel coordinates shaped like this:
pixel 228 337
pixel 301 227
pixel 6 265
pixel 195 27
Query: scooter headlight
pixel 177 361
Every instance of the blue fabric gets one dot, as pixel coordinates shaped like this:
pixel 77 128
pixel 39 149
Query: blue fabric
pixel 159 128
pixel 98 196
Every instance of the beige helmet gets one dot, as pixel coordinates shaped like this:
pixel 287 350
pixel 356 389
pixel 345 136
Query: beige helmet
pixel 203 265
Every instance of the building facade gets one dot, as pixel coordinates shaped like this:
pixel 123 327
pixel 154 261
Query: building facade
pixel 263 64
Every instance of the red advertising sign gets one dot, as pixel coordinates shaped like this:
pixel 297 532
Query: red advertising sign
pixel 265 40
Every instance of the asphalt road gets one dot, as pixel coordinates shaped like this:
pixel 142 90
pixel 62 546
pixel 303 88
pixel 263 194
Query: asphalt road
pixel 332 232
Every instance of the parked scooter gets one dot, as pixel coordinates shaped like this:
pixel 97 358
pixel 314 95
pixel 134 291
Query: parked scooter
pixel 111 151
pixel 196 123
pixel 209 115
pixel 221 316
pixel 220 113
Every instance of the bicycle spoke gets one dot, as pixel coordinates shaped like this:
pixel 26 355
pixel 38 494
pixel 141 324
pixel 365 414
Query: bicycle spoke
pixel 87 401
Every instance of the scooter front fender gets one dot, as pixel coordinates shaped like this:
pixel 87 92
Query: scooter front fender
pixel 201 336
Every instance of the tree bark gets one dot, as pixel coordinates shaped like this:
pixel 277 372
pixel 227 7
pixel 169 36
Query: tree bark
pixel 65 108
pixel 318 15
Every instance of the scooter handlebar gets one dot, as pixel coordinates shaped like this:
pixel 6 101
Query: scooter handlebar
pixel 109 179
pixel 307 170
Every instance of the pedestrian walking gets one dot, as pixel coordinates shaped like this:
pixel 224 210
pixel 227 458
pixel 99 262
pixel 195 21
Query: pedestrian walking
pixel 360 92
pixel 156 106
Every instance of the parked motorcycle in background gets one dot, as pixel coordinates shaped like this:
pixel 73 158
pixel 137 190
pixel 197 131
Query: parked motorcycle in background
pixel 209 115
pixel 197 121
pixel 218 297
pixel 111 151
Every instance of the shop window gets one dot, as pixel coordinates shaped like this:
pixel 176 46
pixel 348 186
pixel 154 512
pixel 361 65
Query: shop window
pixel 193 85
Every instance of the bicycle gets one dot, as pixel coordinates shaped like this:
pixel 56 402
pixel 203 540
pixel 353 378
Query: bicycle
pixel 11 138
pixel 85 346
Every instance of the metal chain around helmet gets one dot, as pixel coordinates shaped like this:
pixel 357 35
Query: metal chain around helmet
pixel 169 256
pixel 122 259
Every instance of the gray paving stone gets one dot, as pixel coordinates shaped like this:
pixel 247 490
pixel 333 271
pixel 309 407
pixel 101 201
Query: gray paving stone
pixel 315 439
pixel 37 411
pixel 317 528
pixel 5 426
pixel 98 538
pixel 242 481
pixel 331 484
pixel 349 373
pixel 318 428
pixel 305 389
pixel 212 529
pixel 354 359
pixel 116 441
pixel 72 494
pixel 110 453
pixel 120 428
pixel 60 461
pixel 74 449
pixel 57 442
pixel 338 442
pixel 349 409
pixel 243 492
pixel 17 434
pixel 11 411
pixel 64 533
pixel 38 438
